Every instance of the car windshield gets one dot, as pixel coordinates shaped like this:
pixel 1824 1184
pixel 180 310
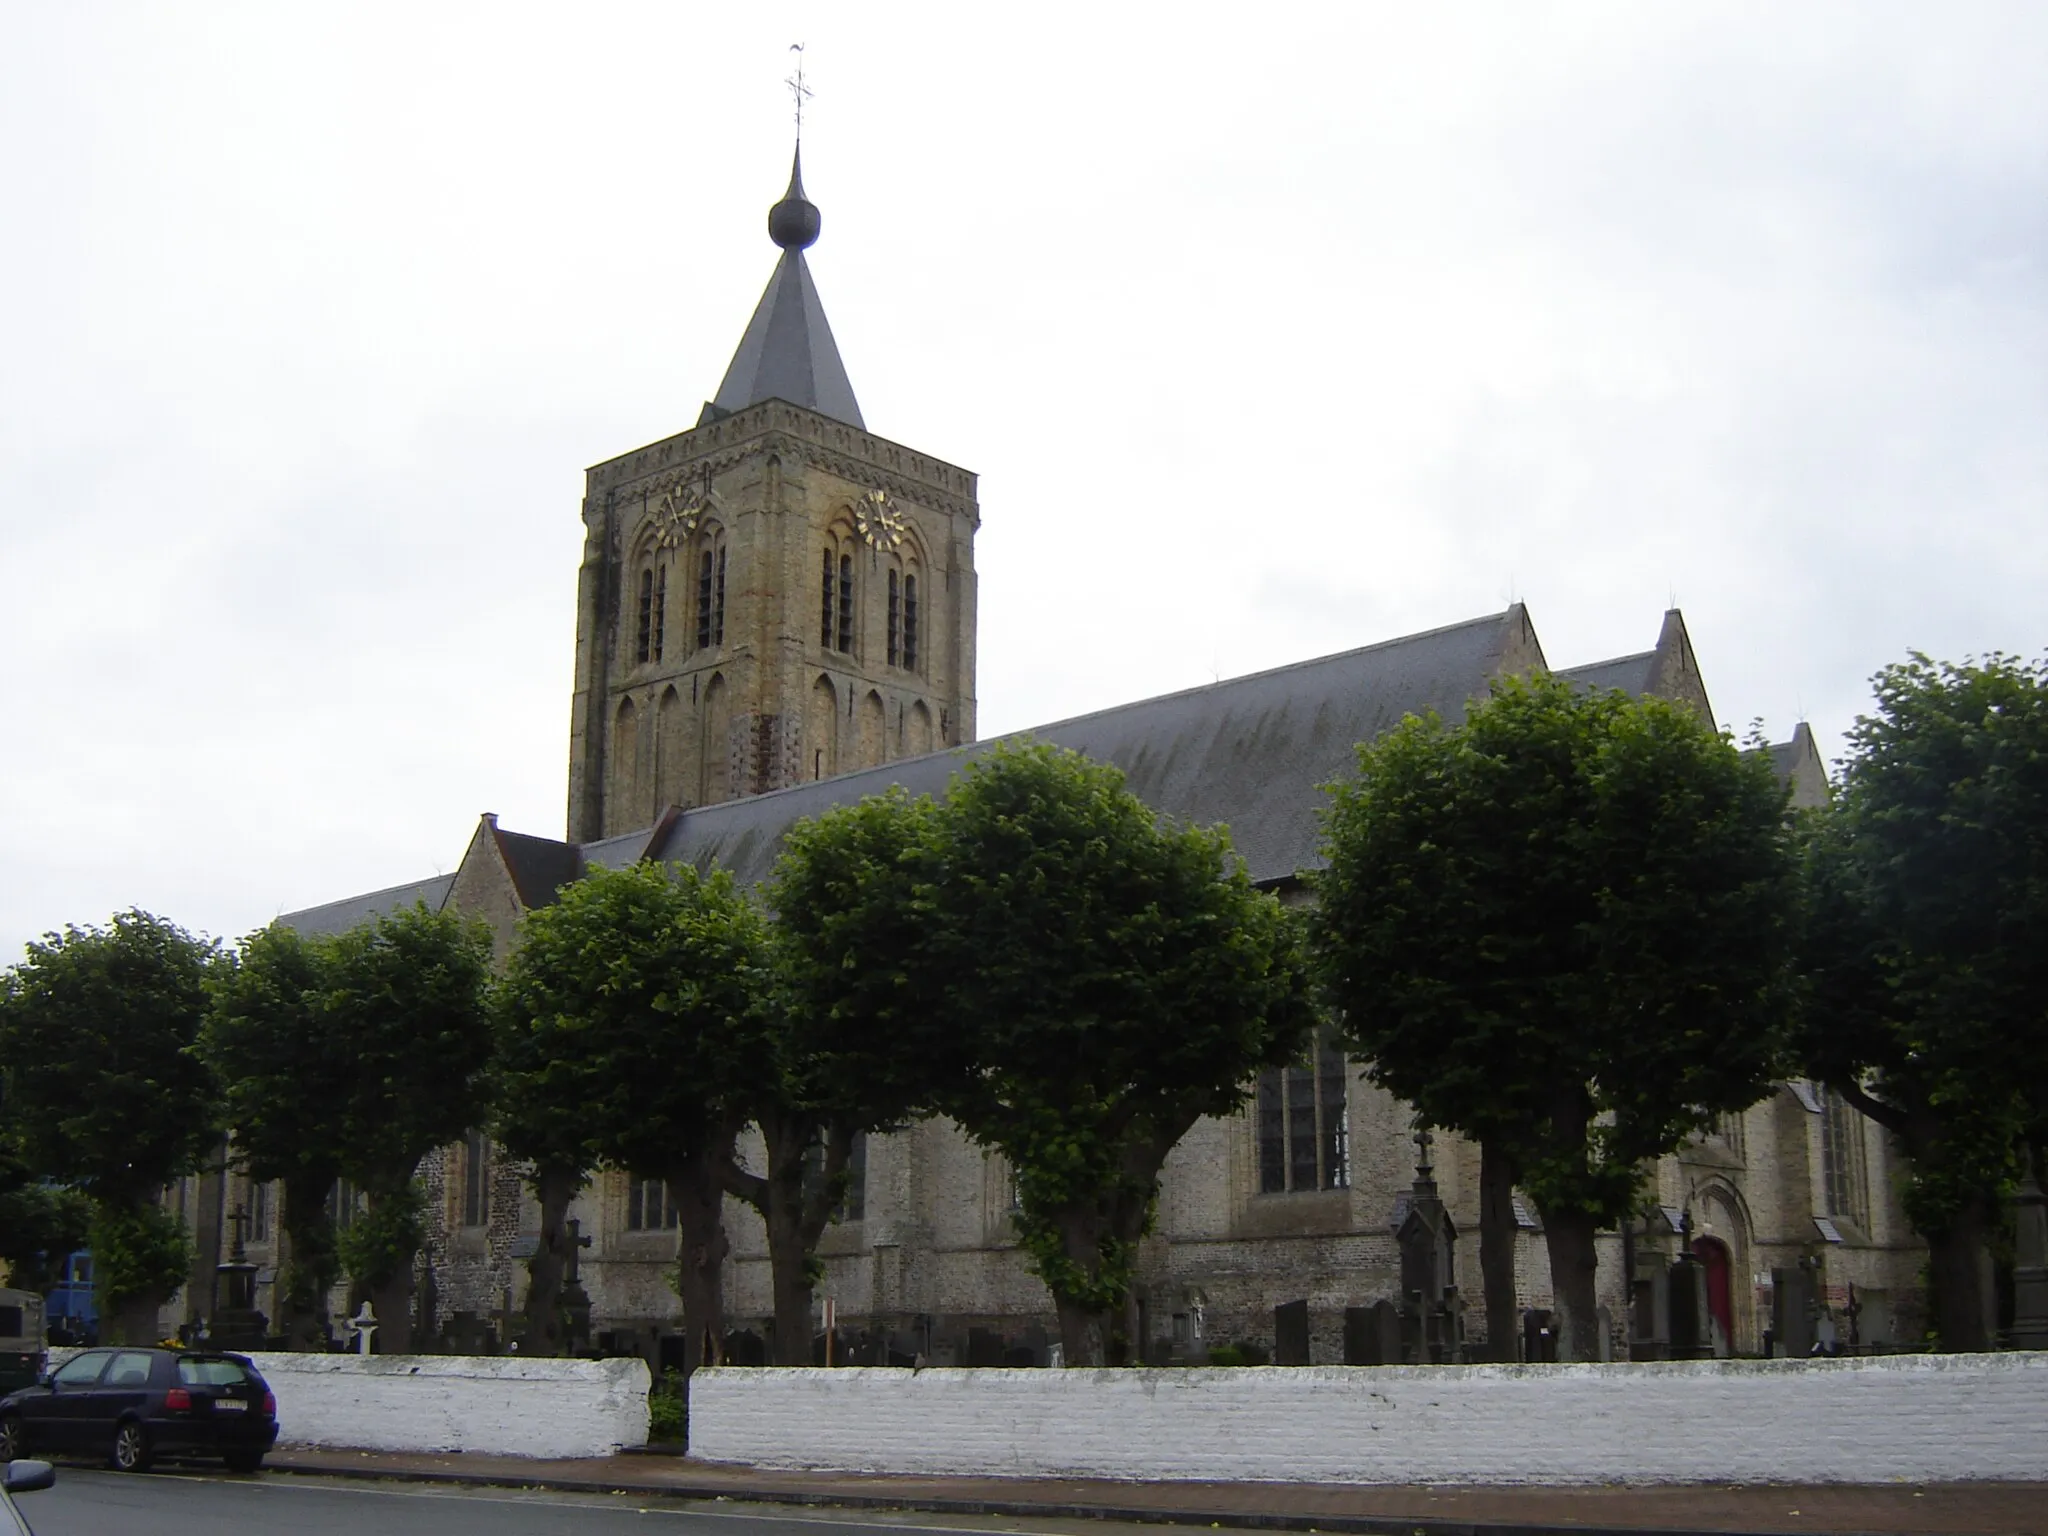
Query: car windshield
pixel 211 1373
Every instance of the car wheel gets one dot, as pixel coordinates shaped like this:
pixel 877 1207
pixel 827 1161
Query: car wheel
pixel 131 1447
pixel 13 1441
pixel 244 1461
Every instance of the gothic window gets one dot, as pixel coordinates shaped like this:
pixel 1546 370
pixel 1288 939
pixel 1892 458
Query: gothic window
pixel 845 636
pixel 718 602
pixel 344 1204
pixel 660 609
pixel 259 1212
pixel 1302 1138
pixel 910 623
pixel 476 1180
pixel 854 1205
pixel 826 606
pixel 648 1207
pixel 711 594
pixel 895 618
pixel 1843 1165
pixel 644 633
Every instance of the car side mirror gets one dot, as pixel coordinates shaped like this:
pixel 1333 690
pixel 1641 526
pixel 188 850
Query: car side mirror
pixel 30 1476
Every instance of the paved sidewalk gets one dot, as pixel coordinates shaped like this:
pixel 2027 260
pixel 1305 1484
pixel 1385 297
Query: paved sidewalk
pixel 1979 1509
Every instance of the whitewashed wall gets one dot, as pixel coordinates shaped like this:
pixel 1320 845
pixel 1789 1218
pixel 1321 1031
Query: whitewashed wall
pixel 497 1404
pixel 1902 1417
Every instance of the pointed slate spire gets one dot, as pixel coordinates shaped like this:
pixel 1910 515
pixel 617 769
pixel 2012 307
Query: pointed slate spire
pixel 788 352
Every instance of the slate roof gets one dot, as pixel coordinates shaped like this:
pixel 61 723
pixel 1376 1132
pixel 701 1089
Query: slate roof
pixel 340 916
pixel 1631 674
pixel 788 352
pixel 539 866
pixel 1252 752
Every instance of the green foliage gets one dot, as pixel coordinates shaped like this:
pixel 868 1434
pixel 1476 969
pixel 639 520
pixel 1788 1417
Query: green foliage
pixel 139 1253
pixel 1243 1352
pixel 632 1016
pixel 283 1062
pixel 668 1412
pixel 1562 928
pixel 1071 980
pixel 39 1224
pixel 102 1089
pixel 377 1247
pixel 1926 951
pixel 864 1035
pixel 405 994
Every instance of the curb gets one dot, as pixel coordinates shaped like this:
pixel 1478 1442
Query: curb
pixel 1045 1509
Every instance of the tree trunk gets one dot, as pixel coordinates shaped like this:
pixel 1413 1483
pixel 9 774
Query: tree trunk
pixel 1574 1263
pixel 699 1194
pixel 310 1266
pixel 1498 1232
pixel 554 1187
pixel 1960 1263
pixel 391 1296
pixel 1081 1334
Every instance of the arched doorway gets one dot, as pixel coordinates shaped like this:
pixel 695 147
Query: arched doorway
pixel 1713 1256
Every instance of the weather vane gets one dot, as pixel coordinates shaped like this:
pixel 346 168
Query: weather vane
pixel 799 92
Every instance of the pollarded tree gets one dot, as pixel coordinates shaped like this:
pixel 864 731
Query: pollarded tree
pixel 285 1075
pixel 1926 951
pixel 104 1093
pixel 641 993
pixel 1563 929
pixel 537 1119
pixel 855 1049
pixel 1113 979
pixel 405 1000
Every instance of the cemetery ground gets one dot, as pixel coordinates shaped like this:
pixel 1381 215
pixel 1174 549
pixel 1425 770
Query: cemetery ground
pixel 334 1491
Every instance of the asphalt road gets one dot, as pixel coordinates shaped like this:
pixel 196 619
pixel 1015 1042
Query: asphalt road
pixel 90 1502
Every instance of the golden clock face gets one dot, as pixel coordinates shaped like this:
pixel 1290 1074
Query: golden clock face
pixel 877 521
pixel 677 514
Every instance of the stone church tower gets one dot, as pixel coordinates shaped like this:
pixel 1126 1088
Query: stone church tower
pixel 773 596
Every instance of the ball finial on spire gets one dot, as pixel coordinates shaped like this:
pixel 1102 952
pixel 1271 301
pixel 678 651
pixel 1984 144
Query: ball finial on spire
pixel 794 222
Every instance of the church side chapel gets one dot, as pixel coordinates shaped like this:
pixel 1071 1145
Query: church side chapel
pixel 776 614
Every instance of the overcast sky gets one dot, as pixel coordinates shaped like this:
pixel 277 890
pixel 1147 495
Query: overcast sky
pixel 1271 331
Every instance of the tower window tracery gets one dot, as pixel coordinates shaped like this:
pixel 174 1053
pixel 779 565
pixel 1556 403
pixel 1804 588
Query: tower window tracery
pixel 660 608
pixel 644 633
pixel 909 622
pixel 711 594
pixel 895 618
pixel 845 634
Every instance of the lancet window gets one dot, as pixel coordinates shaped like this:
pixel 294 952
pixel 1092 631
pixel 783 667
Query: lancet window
pixel 903 636
pixel 648 1207
pixel 711 593
pixel 1303 1140
pixel 835 600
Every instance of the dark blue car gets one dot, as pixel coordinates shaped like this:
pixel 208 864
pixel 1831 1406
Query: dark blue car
pixel 133 1405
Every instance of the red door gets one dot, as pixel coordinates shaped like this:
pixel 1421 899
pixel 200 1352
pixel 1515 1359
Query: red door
pixel 1713 1257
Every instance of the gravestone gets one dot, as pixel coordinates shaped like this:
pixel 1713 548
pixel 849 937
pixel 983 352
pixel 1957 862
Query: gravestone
pixel 574 1300
pixel 1686 1291
pixel 1795 1305
pixel 1290 1333
pixel 1433 1326
pixel 1539 1337
pixel 1650 1313
pixel 1372 1335
pixel 236 1324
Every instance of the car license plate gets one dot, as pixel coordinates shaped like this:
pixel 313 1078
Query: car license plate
pixel 230 1405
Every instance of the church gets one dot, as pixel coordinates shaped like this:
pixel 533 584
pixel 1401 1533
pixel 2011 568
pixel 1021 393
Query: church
pixel 776 614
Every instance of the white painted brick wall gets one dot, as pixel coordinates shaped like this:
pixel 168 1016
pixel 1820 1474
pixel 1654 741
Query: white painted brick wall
pixel 1901 1417
pixel 495 1404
